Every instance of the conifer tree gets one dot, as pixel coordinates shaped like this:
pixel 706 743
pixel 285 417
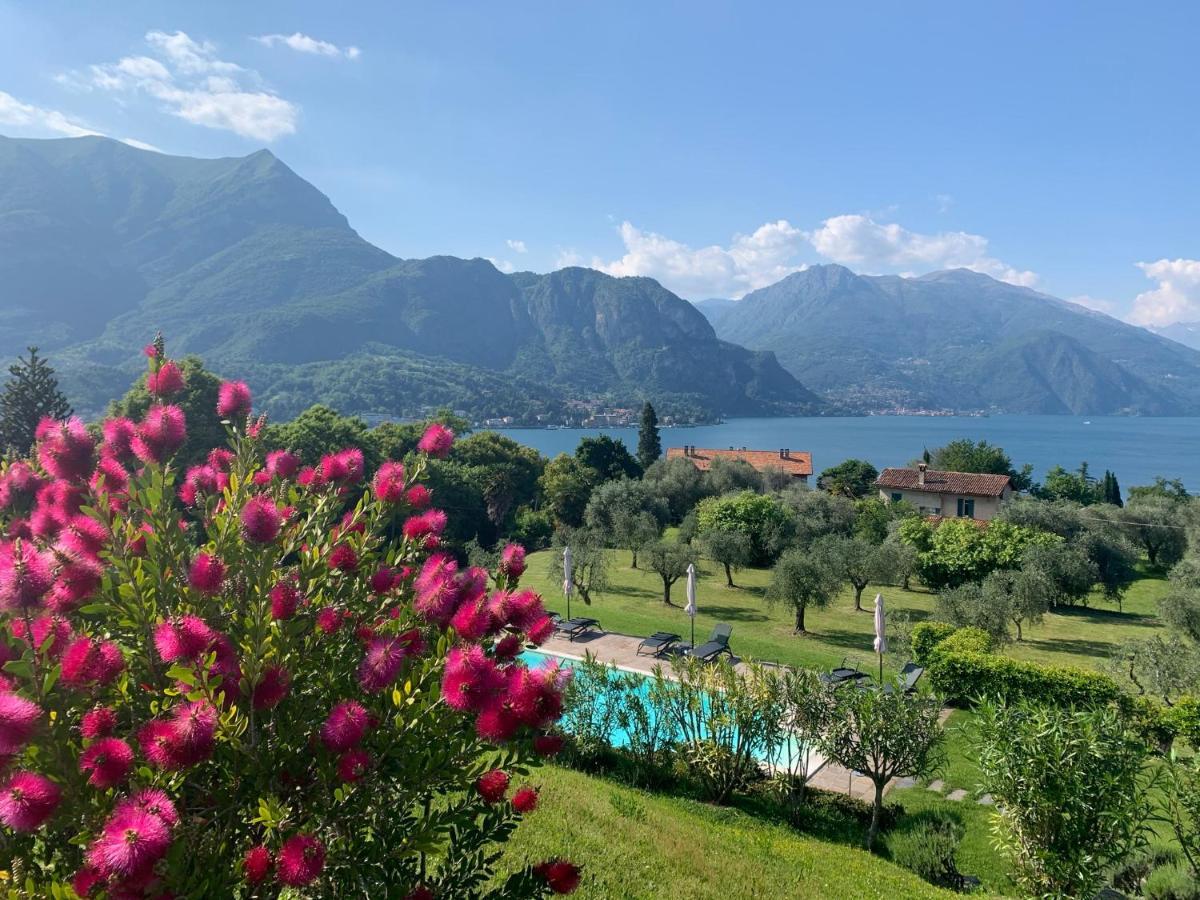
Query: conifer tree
pixel 649 446
pixel 30 394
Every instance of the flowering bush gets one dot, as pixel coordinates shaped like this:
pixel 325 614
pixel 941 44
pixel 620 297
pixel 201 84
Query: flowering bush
pixel 228 682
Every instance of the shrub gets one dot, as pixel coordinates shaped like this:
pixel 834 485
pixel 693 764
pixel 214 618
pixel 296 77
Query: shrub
pixel 763 519
pixel 1171 882
pixel 1185 716
pixel 966 640
pixel 926 635
pixel 928 845
pixel 219 674
pixel 962 678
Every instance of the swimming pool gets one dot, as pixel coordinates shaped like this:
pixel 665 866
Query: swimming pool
pixel 786 756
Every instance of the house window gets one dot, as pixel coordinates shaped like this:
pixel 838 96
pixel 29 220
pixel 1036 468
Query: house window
pixel 966 508
pixel 897 496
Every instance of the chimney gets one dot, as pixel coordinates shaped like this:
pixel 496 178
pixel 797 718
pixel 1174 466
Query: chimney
pixel 782 453
pixel 921 467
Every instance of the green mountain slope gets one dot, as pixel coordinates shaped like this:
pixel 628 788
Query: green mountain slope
pixel 962 341
pixel 250 266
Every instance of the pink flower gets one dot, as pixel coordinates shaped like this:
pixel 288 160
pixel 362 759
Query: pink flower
pixel 221 458
pixel 87 660
pixel 472 620
pixel 283 464
pixel 51 634
pixel 353 765
pixel 436 589
pixel 98 723
pixel 118 438
pixel 65 449
pixel 18 720
pixel 384 656
pixel 383 580
pixel 261 520
pixel 548 744
pixel 512 561
pixel 430 522
pixel 471 679
pixel 151 351
pixel 86 880
pixel 27 800
pixel 25 575
pixel 168 380
pixel 507 647
pixel 301 860
pixel 436 441
pixel 496 722
pixel 76 583
pixel 206 574
pixel 344 467
pixel 129 845
pixel 110 476
pixel 201 481
pixel 185 738
pixel 492 786
pixel 256 864
pixel 343 558
pixel 328 620
pixel 154 802
pixel 525 800
pixel 285 597
pixel 233 400
pixel 389 482
pixel 539 632
pixel 418 496
pixel 108 760
pixel 272 687
pixel 162 432
pixel 182 639
pixel 345 726
pixel 537 694
pixel 560 875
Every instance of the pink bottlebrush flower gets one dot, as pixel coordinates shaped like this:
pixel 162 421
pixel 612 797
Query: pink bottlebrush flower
pixel 384 657
pixel 548 744
pixel 512 561
pixel 420 892
pixel 76 582
pixel 310 478
pixel 256 864
pixel 97 723
pixel 524 610
pixel 207 574
pixel 183 639
pixel 47 521
pixel 25 575
pixel 343 558
pixel 65 449
pixel 261 520
pixel 261 478
pixel 130 843
pixel 82 536
pixel 27 800
pixel 507 647
pixel 154 802
pixel 418 496
pixel 282 463
pixel 382 580
pixel 561 876
pixel 436 441
pixel 80 662
pixel 271 688
pixel 151 351
pixel 430 522
pixel 200 481
pixel 118 438
pixel 389 482
pixel 301 860
pixel 471 679
pixel 472 620
pixel 333 468
pixel 221 458
pixel 345 726
pixel 536 695
pixel 51 634
pixel 353 765
pixel 285 597
pixel 20 529
pixel 496 722
pixel 110 477
pixel 18 721
pixel 86 880
pixel 233 400
pixel 437 589
pixel 161 433
pixel 225 666
pixel 525 800
pixel 328 620
pixel 539 632
pixel 492 786
pixel 167 381
pixel 108 761
pixel 352 461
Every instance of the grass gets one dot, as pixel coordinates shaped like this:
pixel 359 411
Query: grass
pixel 633 605
pixel 635 844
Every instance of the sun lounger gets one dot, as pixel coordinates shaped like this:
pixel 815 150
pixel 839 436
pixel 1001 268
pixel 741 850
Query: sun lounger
pixel 909 676
pixel 573 628
pixel 658 643
pixel 717 643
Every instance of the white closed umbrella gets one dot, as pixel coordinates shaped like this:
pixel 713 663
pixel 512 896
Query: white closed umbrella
pixel 880 632
pixel 690 609
pixel 568 584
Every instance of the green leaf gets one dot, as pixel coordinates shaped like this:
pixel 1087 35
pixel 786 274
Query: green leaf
pixel 22 668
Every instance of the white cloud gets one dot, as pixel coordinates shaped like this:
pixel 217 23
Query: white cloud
pixel 502 264
pixel 302 43
pixel 1108 307
pixel 518 246
pixel 1177 297
pixel 196 85
pixel 750 261
pixel 859 241
pixel 39 119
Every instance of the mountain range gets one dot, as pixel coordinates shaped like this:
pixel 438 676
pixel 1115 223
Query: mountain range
pixel 244 263
pixel 241 261
pixel 958 341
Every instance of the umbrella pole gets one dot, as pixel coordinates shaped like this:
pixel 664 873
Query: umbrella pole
pixel 693 618
pixel 881 668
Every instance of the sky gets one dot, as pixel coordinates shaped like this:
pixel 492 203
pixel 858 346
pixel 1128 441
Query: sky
pixel 716 147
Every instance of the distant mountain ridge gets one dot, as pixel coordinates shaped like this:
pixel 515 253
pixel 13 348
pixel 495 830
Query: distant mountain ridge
pixel 248 265
pixel 1186 333
pixel 958 341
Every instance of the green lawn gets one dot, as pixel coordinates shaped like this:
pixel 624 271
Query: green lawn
pixel 635 844
pixel 633 605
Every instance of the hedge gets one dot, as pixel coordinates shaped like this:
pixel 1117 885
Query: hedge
pixel 927 635
pixel 965 640
pixel 963 677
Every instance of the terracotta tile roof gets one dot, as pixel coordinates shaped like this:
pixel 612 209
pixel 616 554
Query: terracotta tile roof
pixel 971 483
pixel 795 463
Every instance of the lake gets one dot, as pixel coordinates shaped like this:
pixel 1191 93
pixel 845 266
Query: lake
pixel 1136 449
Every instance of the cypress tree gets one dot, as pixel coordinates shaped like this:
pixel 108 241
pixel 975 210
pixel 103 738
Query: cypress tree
pixel 649 446
pixel 30 395
pixel 1112 489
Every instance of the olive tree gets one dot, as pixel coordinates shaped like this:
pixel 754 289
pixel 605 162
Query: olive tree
pixel 731 549
pixel 856 561
pixel 669 560
pixel 799 581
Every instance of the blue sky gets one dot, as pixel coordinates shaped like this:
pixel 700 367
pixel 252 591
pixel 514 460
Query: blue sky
pixel 715 146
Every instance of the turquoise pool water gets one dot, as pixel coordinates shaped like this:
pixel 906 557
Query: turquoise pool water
pixel 786 756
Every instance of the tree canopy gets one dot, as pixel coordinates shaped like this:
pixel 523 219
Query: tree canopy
pixel 965 455
pixel 30 394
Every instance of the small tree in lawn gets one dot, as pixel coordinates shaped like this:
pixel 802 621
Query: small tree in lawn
pixel 800 581
pixel 731 549
pixel 30 395
pixel 856 561
pixel 649 447
pixel 589 563
pixel 1073 793
pixel 669 560
pixel 884 735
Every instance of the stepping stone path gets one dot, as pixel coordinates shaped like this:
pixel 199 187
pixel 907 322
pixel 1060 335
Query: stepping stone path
pixel 937 785
pixel 959 794
pixel 987 800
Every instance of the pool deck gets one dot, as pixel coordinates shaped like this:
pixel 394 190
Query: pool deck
pixel 621 650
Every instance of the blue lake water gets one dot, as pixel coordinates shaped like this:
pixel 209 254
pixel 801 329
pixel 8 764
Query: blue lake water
pixel 1136 449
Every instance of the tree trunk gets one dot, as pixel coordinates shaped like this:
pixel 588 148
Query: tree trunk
pixel 876 809
pixel 1017 622
pixel 858 589
pixel 667 592
pixel 800 621
pixel 633 565
pixel 729 576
